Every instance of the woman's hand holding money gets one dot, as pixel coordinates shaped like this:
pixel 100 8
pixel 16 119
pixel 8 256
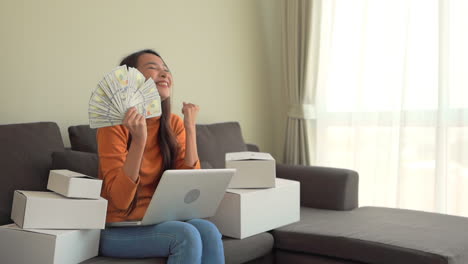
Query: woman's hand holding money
pixel 136 124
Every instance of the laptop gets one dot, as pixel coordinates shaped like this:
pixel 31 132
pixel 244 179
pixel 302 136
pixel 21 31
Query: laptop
pixel 183 195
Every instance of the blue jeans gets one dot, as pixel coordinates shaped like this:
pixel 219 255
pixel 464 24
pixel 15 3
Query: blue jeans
pixel 194 241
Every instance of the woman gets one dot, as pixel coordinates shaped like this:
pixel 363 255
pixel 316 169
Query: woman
pixel 132 158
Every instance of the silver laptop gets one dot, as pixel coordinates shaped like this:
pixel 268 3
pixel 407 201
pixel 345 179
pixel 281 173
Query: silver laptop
pixel 184 195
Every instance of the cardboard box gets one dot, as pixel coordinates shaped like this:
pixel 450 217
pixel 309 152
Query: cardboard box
pixel 254 169
pixel 25 246
pixel 48 210
pixel 74 185
pixel 247 212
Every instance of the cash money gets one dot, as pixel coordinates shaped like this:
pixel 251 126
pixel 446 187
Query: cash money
pixel 122 88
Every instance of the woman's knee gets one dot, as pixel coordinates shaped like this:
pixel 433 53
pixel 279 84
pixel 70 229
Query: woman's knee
pixel 183 232
pixel 206 228
pixel 187 243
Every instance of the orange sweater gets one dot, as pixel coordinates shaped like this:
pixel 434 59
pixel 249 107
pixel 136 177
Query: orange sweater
pixel 117 187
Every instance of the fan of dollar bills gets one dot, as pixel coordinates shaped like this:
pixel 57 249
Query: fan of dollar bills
pixel 120 90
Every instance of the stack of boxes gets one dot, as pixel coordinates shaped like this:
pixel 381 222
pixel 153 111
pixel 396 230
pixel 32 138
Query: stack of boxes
pixel 256 200
pixel 62 226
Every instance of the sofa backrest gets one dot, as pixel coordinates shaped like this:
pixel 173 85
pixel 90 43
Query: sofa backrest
pixel 25 159
pixel 213 141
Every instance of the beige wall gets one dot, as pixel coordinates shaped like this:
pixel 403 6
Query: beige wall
pixel 224 56
pixel 270 12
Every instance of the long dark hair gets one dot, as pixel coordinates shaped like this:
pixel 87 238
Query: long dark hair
pixel 166 138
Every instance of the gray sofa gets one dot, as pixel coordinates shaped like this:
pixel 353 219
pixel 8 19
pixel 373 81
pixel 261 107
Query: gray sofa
pixel 332 228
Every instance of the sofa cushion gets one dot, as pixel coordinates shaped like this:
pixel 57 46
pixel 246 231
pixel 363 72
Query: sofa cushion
pixel 83 138
pixel 83 162
pixel 378 235
pixel 250 248
pixel 25 159
pixel 235 251
pixel 215 140
pixel 282 256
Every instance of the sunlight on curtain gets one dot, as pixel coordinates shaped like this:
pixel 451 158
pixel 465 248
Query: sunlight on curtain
pixel 392 102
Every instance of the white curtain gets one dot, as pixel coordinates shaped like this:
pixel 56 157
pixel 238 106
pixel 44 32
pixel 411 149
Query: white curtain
pixel 392 100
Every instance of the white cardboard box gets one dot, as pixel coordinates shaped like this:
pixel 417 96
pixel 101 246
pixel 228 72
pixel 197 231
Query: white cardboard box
pixel 247 212
pixel 254 169
pixel 25 246
pixel 74 185
pixel 48 210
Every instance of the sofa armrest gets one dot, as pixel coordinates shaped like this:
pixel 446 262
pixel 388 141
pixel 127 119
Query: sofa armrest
pixel 252 147
pixel 323 187
pixel 83 162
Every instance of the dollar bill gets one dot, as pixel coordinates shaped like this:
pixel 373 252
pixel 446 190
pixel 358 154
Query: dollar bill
pixel 122 88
